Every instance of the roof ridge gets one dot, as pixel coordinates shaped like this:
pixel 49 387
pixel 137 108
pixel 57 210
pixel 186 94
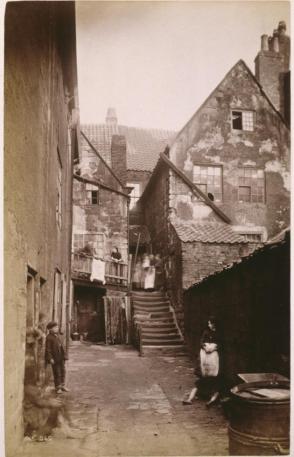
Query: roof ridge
pixel 155 129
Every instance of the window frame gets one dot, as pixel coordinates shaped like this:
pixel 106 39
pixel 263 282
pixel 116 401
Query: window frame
pixel 253 195
pixel 77 245
pixel 243 113
pixel 208 185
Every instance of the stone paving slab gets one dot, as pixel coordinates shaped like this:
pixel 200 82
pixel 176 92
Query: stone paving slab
pixel 125 405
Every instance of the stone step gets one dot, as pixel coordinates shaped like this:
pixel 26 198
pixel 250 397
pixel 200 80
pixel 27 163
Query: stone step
pixel 159 314
pixel 161 342
pixel 155 330
pixel 160 336
pixel 158 321
pixel 147 293
pixel 149 309
pixel 151 303
pixel 148 298
pixel 157 324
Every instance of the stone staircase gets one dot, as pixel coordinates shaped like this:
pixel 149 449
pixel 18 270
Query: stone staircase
pixel 154 315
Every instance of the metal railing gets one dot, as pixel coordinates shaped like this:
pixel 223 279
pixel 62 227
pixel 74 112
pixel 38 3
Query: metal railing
pixel 115 272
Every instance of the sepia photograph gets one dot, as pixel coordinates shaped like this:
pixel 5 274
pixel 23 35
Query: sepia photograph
pixel 146 172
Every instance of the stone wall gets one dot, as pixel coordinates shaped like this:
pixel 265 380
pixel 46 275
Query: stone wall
pixel 203 259
pixel 40 89
pixel 251 302
pixel 209 139
pixel 109 216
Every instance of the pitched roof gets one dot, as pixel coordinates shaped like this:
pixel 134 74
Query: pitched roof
pixel 253 78
pixel 143 145
pixel 207 233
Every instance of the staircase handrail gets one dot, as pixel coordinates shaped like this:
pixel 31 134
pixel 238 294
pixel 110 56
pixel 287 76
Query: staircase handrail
pixel 172 310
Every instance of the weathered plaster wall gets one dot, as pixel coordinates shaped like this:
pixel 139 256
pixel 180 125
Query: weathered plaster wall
pixel 110 217
pixel 37 69
pixel 209 139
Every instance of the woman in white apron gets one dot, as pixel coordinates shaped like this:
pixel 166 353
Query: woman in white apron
pixel 209 382
pixel 149 268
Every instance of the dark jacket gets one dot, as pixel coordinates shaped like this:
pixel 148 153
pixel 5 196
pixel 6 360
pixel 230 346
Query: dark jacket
pixel 54 349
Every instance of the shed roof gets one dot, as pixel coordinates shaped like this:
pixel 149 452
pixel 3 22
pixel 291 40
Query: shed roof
pixel 207 233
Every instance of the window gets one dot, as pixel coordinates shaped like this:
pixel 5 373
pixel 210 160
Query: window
pixel 254 237
pixel 243 120
pixel 251 185
pixel 208 178
pixel 135 194
pixel 92 195
pixel 95 240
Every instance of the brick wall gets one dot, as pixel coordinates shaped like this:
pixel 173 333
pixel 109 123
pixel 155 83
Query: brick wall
pixel 39 73
pixel 252 304
pixel 203 259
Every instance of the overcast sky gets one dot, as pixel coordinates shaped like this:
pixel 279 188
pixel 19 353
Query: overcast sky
pixel 156 62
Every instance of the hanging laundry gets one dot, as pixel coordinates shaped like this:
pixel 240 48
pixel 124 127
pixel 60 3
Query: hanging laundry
pixel 98 270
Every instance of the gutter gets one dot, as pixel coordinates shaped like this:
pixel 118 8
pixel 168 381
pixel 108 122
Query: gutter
pixel 100 184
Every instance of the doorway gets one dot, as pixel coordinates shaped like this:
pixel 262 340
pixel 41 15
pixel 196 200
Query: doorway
pixel 90 313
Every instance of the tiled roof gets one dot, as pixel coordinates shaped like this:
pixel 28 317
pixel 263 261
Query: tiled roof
pixel 143 145
pixel 207 233
pixel 134 231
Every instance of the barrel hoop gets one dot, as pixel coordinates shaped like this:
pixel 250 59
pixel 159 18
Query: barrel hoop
pixel 263 441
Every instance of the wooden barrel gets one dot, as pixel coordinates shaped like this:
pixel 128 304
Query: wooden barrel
pixel 260 418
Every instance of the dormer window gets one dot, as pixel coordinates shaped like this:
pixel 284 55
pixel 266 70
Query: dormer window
pixel 243 120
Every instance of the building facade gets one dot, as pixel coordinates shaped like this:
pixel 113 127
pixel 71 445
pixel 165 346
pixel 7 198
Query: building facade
pixel 41 141
pixel 100 255
pixel 223 187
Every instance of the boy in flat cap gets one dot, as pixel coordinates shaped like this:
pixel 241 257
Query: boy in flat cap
pixel 55 356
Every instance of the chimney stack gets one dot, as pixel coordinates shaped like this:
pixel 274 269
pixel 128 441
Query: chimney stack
pixel 272 66
pixel 264 43
pixel 119 157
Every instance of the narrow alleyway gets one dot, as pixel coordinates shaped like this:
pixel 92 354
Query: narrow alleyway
pixel 127 405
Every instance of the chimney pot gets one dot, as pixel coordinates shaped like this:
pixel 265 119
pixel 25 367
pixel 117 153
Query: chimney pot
pixel 264 43
pixel 276 44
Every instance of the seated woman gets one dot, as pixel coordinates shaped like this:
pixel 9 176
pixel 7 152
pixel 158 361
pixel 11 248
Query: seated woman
pixel 208 385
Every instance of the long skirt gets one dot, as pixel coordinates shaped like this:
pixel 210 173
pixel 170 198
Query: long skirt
pixel 149 281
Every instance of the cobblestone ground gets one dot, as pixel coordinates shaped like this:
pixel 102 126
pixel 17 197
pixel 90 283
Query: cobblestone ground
pixel 126 405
